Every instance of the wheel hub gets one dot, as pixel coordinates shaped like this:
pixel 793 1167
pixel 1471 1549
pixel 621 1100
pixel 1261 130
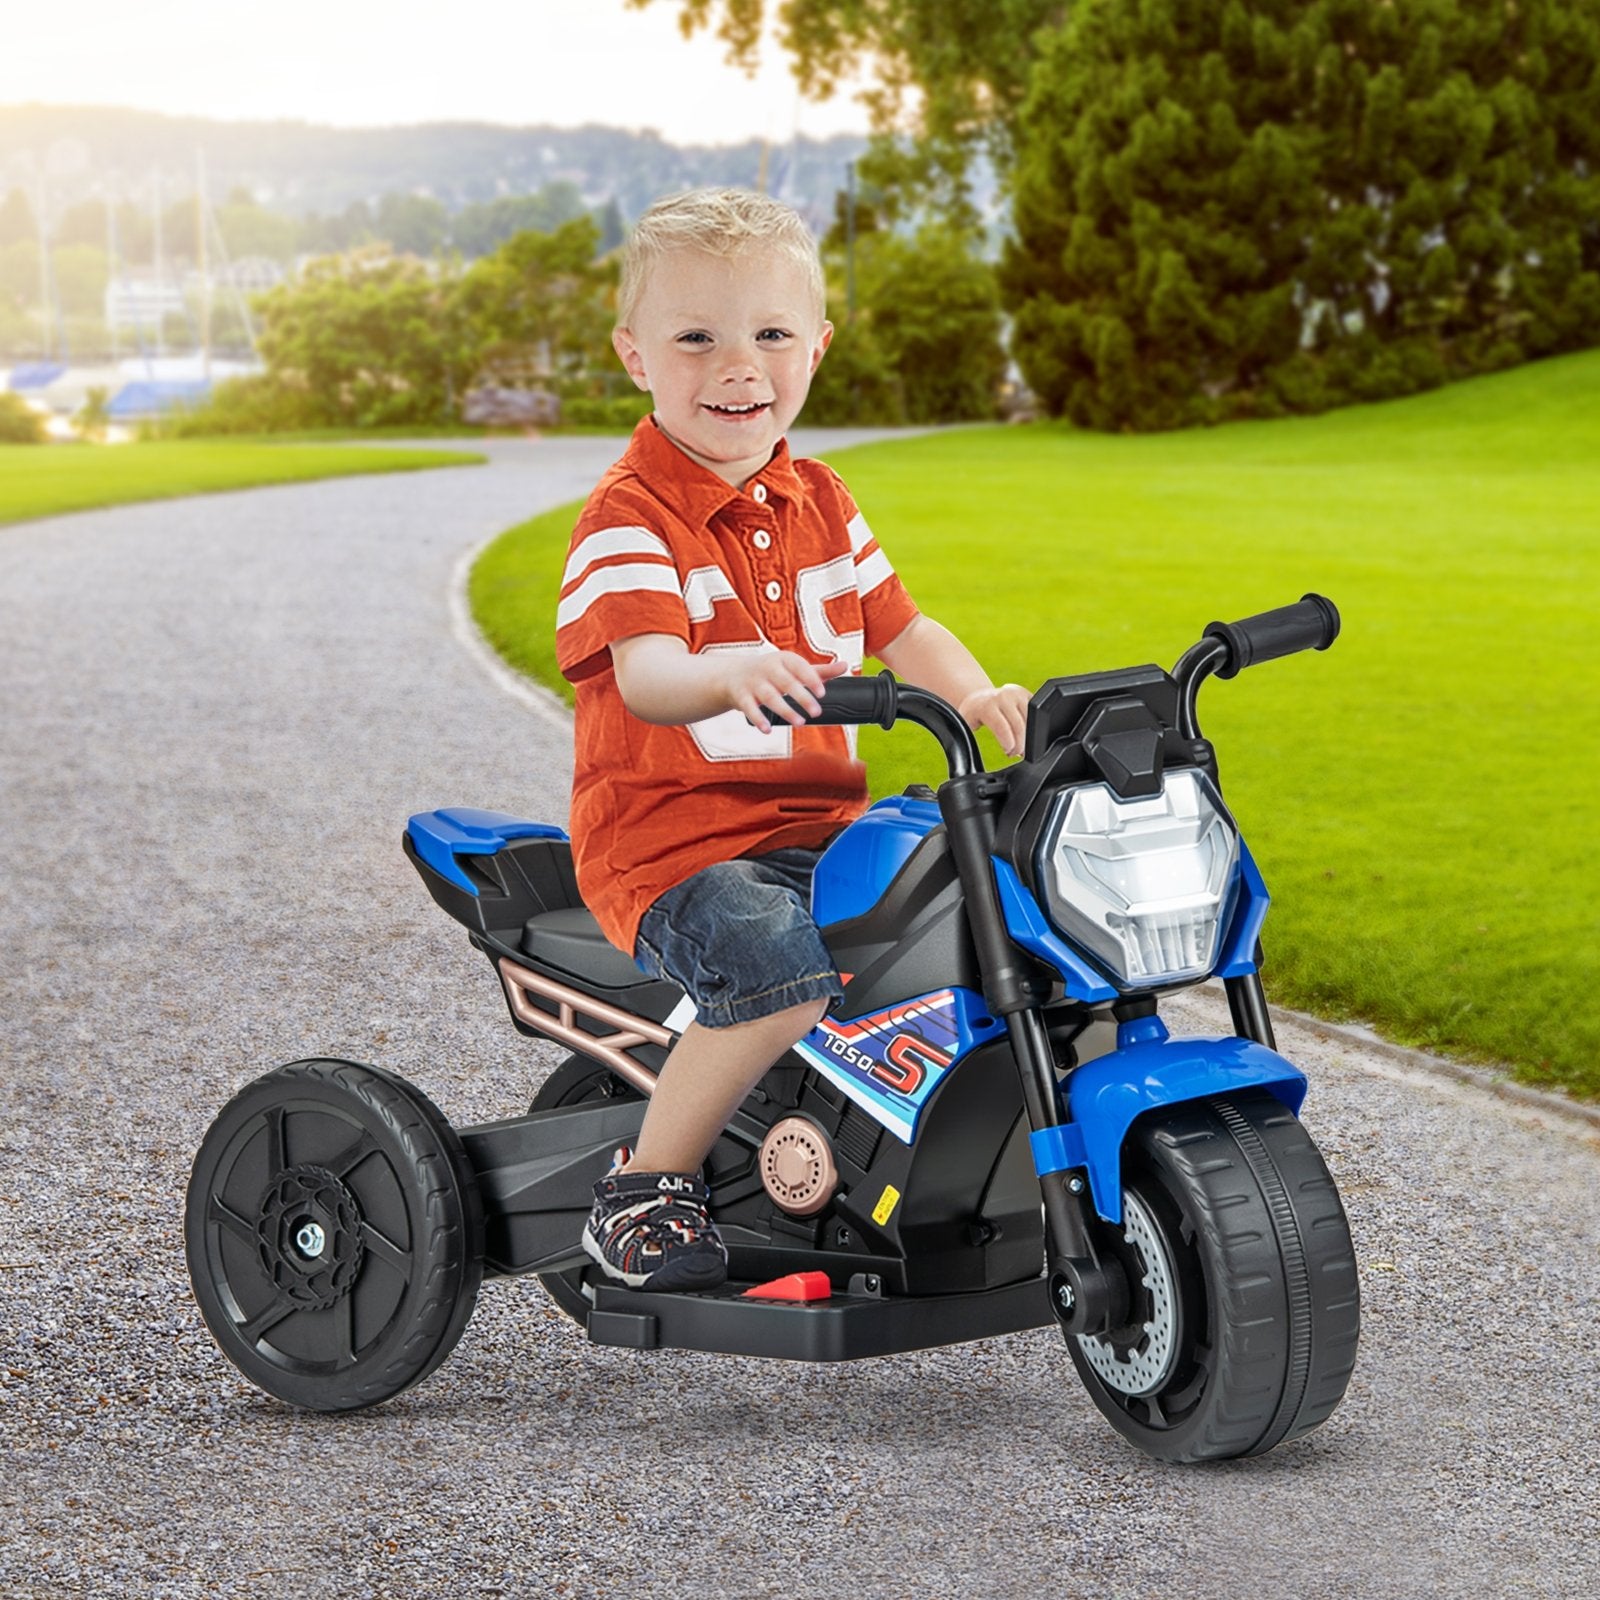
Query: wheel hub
pixel 308 1235
pixel 1138 1359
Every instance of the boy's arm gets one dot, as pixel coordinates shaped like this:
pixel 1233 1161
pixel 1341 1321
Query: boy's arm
pixel 661 682
pixel 926 653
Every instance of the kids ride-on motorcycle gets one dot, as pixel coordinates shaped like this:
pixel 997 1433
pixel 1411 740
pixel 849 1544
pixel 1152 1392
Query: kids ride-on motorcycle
pixel 943 1158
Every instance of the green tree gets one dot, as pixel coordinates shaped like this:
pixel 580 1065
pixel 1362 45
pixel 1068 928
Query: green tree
pixel 926 318
pixel 413 224
pixel 613 228
pixel 479 229
pixel 249 229
pixel 1249 208
pixel 541 304
pixel 855 387
pixel 329 235
pixel 934 308
pixel 950 73
pixel 368 339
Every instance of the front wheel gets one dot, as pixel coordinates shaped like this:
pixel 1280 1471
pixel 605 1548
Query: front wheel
pixel 334 1233
pixel 1245 1313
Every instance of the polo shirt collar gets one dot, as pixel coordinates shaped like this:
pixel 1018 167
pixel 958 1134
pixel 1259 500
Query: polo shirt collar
pixel 696 493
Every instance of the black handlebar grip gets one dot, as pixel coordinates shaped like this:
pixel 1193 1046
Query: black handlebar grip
pixel 856 701
pixel 1311 624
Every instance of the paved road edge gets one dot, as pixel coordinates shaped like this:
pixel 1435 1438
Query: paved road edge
pixel 542 701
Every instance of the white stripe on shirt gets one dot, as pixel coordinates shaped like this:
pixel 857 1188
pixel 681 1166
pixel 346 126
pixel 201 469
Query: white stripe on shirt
pixel 860 534
pixel 703 589
pixel 636 578
pixel 871 572
pixel 613 542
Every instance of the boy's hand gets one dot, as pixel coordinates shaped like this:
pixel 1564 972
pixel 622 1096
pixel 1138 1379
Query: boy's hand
pixel 1003 711
pixel 758 684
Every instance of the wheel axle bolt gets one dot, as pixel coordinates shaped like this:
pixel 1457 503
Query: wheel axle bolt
pixel 1067 1298
pixel 310 1241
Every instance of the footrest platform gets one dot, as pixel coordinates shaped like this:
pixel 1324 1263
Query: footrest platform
pixel 844 1327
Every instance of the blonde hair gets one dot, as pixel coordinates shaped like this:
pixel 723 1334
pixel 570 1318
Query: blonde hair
pixel 721 222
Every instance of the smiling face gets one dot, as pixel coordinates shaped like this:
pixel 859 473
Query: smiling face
pixel 726 345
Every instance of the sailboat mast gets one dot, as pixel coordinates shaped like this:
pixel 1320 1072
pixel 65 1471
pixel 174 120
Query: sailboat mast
pixel 205 269
pixel 114 296
pixel 161 276
pixel 46 298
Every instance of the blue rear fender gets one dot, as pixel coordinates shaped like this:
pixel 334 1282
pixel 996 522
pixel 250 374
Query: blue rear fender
pixel 1146 1072
pixel 441 837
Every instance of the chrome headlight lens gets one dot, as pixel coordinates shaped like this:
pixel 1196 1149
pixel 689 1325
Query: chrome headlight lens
pixel 1144 886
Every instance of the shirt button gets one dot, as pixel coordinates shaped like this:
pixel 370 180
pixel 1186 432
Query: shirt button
pixel 759 494
pixel 761 539
pixel 774 591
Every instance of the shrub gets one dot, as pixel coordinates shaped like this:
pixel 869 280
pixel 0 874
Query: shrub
pixel 19 422
pixel 94 416
pixel 855 386
pixel 261 403
pixel 619 411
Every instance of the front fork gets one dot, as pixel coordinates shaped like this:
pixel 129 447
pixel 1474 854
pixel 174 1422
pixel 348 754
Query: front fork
pixel 1089 1292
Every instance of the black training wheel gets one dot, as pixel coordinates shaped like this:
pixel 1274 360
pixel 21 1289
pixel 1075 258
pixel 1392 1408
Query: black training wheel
pixel 577 1081
pixel 1245 1313
pixel 334 1234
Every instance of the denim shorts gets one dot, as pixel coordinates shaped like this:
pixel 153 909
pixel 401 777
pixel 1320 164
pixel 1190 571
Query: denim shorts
pixel 738 937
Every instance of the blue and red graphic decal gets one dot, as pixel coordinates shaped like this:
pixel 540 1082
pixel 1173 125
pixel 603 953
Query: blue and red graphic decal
pixel 891 1061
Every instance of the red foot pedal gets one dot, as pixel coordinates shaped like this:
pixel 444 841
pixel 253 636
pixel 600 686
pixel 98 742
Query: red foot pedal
pixel 797 1286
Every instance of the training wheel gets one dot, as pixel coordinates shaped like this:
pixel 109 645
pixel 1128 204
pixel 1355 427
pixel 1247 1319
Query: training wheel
pixel 334 1234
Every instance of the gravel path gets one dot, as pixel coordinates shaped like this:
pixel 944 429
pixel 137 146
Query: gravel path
pixel 217 714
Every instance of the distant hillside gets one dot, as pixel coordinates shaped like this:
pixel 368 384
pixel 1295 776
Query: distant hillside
pixel 299 167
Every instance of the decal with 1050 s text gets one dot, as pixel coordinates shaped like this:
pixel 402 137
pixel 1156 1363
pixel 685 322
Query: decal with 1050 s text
pixel 890 1061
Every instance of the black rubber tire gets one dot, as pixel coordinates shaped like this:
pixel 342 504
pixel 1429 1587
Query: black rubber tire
pixel 577 1081
pixel 1263 1320
pixel 356 1158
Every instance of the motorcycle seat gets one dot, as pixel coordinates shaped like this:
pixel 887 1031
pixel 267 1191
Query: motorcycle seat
pixel 571 941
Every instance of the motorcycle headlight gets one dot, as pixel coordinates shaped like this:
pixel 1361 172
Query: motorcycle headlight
pixel 1145 886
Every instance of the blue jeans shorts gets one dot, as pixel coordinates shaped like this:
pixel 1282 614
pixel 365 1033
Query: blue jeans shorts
pixel 738 937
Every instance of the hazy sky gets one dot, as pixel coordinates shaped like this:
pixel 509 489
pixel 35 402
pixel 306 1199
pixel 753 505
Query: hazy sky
pixel 377 62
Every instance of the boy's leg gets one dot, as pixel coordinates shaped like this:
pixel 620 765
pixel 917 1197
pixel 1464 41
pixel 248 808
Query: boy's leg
pixel 707 1075
pixel 725 935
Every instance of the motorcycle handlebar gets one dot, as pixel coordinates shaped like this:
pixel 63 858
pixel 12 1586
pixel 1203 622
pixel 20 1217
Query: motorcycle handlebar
pixel 1226 649
pixel 859 701
pixel 882 701
pixel 1312 623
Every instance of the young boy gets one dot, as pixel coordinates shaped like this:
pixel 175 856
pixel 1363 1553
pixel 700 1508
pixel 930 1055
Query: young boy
pixel 709 576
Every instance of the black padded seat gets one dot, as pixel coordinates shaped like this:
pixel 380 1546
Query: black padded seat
pixel 572 941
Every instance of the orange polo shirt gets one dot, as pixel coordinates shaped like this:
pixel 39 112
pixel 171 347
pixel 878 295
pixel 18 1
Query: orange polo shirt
pixel 666 546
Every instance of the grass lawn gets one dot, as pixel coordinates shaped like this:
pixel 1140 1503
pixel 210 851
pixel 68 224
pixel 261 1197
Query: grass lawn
pixel 1424 798
pixel 43 480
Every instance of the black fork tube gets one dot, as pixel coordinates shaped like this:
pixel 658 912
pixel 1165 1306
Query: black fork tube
pixel 1087 1294
pixel 1030 1044
pixel 1247 1003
